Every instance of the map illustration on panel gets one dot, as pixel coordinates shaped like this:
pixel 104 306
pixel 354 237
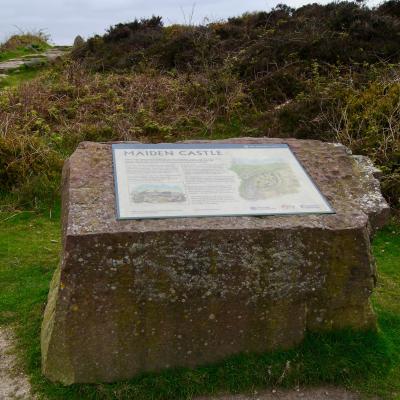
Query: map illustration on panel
pixel 163 193
pixel 263 180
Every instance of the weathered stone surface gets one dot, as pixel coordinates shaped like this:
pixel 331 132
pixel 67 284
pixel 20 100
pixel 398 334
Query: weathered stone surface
pixel 142 295
pixel 78 41
pixel 10 65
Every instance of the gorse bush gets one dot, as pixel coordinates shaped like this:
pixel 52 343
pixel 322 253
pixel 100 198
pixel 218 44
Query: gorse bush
pixel 368 121
pixel 327 72
pixel 42 121
pixel 255 44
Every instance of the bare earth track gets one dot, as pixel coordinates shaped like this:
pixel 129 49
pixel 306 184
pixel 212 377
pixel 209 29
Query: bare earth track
pixel 13 383
pixel 325 393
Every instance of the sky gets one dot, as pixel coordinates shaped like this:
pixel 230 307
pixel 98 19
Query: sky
pixel 63 20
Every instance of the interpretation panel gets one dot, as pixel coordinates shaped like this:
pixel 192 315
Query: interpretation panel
pixel 194 180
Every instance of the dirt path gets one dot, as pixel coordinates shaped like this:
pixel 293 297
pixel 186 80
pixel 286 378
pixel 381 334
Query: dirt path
pixel 13 383
pixel 327 393
pixel 32 60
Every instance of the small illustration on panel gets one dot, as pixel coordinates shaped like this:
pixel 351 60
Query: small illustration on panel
pixel 160 193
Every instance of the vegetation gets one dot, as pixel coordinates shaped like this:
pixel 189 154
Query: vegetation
pixel 18 76
pixel 23 44
pixel 37 40
pixel 42 122
pixel 365 361
pixel 280 42
pixel 320 72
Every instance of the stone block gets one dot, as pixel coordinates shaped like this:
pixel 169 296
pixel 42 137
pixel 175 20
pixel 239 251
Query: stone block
pixel 143 295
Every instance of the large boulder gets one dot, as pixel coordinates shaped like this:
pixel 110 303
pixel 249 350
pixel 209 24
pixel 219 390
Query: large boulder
pixel 142 295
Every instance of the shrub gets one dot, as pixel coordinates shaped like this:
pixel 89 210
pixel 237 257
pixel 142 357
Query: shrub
pixel 263 42
pixel 38 40
pixel 42 121
pixel 369 123
pixel 325 72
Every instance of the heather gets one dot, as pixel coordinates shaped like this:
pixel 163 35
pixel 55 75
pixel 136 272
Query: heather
pixel 326 72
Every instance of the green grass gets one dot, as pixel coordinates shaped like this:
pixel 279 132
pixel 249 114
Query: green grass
pixel 20 75
pixel 20 52
pixel 369 362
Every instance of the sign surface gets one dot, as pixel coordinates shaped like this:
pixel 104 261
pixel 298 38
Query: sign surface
pixel 193 180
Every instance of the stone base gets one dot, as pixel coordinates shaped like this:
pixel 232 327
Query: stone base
pixel 143 295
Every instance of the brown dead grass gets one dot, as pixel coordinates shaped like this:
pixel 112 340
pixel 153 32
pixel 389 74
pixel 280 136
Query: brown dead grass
pixel 42 121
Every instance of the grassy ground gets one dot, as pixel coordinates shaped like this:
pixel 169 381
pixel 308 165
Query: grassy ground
pixel 25 73
pixel 370 362
pixel 18 76
pixel 23 44
pixel 21 52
